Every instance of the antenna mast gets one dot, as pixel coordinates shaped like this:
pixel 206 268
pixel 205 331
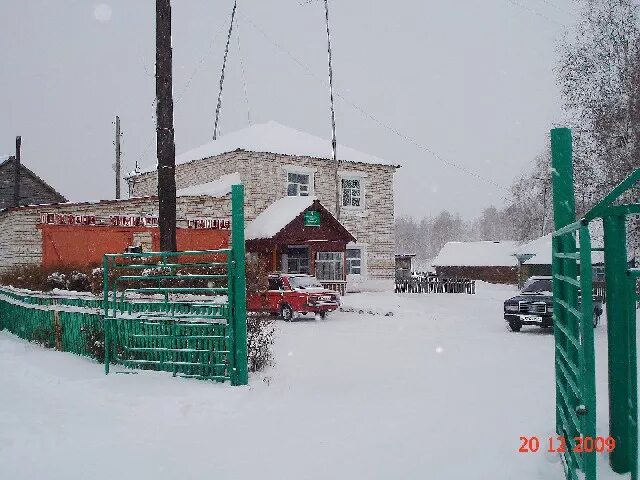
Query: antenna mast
pixel 224 64
pixel 333 113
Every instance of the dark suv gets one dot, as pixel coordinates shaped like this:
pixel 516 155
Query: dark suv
pixel 534 305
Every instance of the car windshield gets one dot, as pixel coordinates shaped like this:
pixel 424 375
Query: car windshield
pixel 538 286
pixel 304 282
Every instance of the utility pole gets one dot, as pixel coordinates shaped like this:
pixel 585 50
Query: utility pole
pixel 166 148
pixel 118 166
pixel 333 114
pixel 16 178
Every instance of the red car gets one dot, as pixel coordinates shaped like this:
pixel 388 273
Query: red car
pixel 289 294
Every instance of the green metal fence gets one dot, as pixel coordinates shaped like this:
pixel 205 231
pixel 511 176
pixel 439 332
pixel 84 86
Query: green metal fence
pixel 65 323
pixel 181 312
pixel 573 319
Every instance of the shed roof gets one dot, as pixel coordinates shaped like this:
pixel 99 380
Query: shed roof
pixel 6 160
pixel 277 216
pixel 272 137
pixel 477 254
pixel 216 188
pixel 540 248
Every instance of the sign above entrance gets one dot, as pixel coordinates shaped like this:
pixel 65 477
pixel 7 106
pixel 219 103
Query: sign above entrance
pixel 312 218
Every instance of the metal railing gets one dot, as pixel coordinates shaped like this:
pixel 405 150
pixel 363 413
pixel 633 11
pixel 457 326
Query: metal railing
pixel 182 312
pixel 573 324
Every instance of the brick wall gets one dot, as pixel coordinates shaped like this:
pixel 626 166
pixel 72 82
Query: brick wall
pixel 21 241
pixel 264 177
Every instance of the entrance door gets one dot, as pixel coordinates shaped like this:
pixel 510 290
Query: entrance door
pixel 298 259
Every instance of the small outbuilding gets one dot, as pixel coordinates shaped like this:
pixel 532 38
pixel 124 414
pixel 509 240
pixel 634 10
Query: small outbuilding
pixel 31 190
pixel 404 266
pixel 299 235
pixel 488 261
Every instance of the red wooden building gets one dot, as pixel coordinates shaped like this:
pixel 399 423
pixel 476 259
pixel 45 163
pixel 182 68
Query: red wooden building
pixel 299 235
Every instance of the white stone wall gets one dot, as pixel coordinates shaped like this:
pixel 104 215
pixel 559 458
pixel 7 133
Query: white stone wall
pixel 264 177
pixel 21 240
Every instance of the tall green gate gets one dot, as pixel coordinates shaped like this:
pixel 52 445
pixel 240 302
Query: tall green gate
pixel 182 312
pixel 573 320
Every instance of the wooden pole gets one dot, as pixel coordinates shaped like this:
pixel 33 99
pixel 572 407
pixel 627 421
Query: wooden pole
pixel 118 167
pixel 166 149
pixel 16 178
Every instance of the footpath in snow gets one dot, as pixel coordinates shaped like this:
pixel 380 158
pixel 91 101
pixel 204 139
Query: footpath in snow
pixel 439 390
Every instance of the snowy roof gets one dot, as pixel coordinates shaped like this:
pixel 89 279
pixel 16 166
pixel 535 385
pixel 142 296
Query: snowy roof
pixel 277 216
pixel 216 188
pixel 477 254
pixel 273 137
pixel 541 247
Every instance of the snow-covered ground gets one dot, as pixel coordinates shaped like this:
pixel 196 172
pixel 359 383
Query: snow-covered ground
pixel 439 390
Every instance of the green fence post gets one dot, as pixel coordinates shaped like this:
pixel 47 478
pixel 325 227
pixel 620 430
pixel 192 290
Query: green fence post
pixel 633 380
pixel 618 311
pixel 105 322
pixel 240 376
pixel 588 369
pixel 564 213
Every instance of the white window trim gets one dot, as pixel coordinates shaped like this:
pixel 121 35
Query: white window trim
pixel 303 171
pixel 348 175
pixel 363 260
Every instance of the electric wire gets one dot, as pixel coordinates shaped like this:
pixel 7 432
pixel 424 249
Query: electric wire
pixel 407 138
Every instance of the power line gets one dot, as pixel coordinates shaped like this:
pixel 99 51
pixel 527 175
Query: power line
pixel 361 110
pixel 185 88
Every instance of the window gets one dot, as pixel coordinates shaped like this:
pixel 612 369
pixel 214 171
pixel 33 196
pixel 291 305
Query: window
pixel 354 261
pixel 329 266
pixel 351 192
pixel 298 184
pixel 598 273
pixel 298 260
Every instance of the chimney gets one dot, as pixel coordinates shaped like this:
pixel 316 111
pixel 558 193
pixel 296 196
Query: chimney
pixel 16 179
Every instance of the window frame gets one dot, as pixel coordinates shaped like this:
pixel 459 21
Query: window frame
pixel 360 177
pixel 297 170
pixel 347 261
pixel 363 261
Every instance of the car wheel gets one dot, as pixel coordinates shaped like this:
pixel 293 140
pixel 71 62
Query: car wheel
pixel 286 312
pixel 323 315
pixel 514 326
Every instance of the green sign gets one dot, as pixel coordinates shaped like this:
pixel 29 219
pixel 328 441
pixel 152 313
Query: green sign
pixel 312 218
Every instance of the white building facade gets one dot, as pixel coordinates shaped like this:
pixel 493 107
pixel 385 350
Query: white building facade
pixel 273 161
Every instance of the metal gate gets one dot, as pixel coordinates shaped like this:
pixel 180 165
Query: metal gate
pixel 182 312
pixel 573 320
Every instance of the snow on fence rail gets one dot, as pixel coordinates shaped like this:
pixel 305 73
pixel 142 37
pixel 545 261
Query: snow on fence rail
pixel 75 324
pixel 433 284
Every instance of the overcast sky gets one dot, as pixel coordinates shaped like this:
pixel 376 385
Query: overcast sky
pixel 462 94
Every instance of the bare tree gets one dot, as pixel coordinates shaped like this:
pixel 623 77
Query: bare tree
pixel 598 76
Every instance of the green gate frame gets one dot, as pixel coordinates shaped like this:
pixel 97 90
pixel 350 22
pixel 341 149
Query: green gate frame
pixel 203 338
pixel 573 319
